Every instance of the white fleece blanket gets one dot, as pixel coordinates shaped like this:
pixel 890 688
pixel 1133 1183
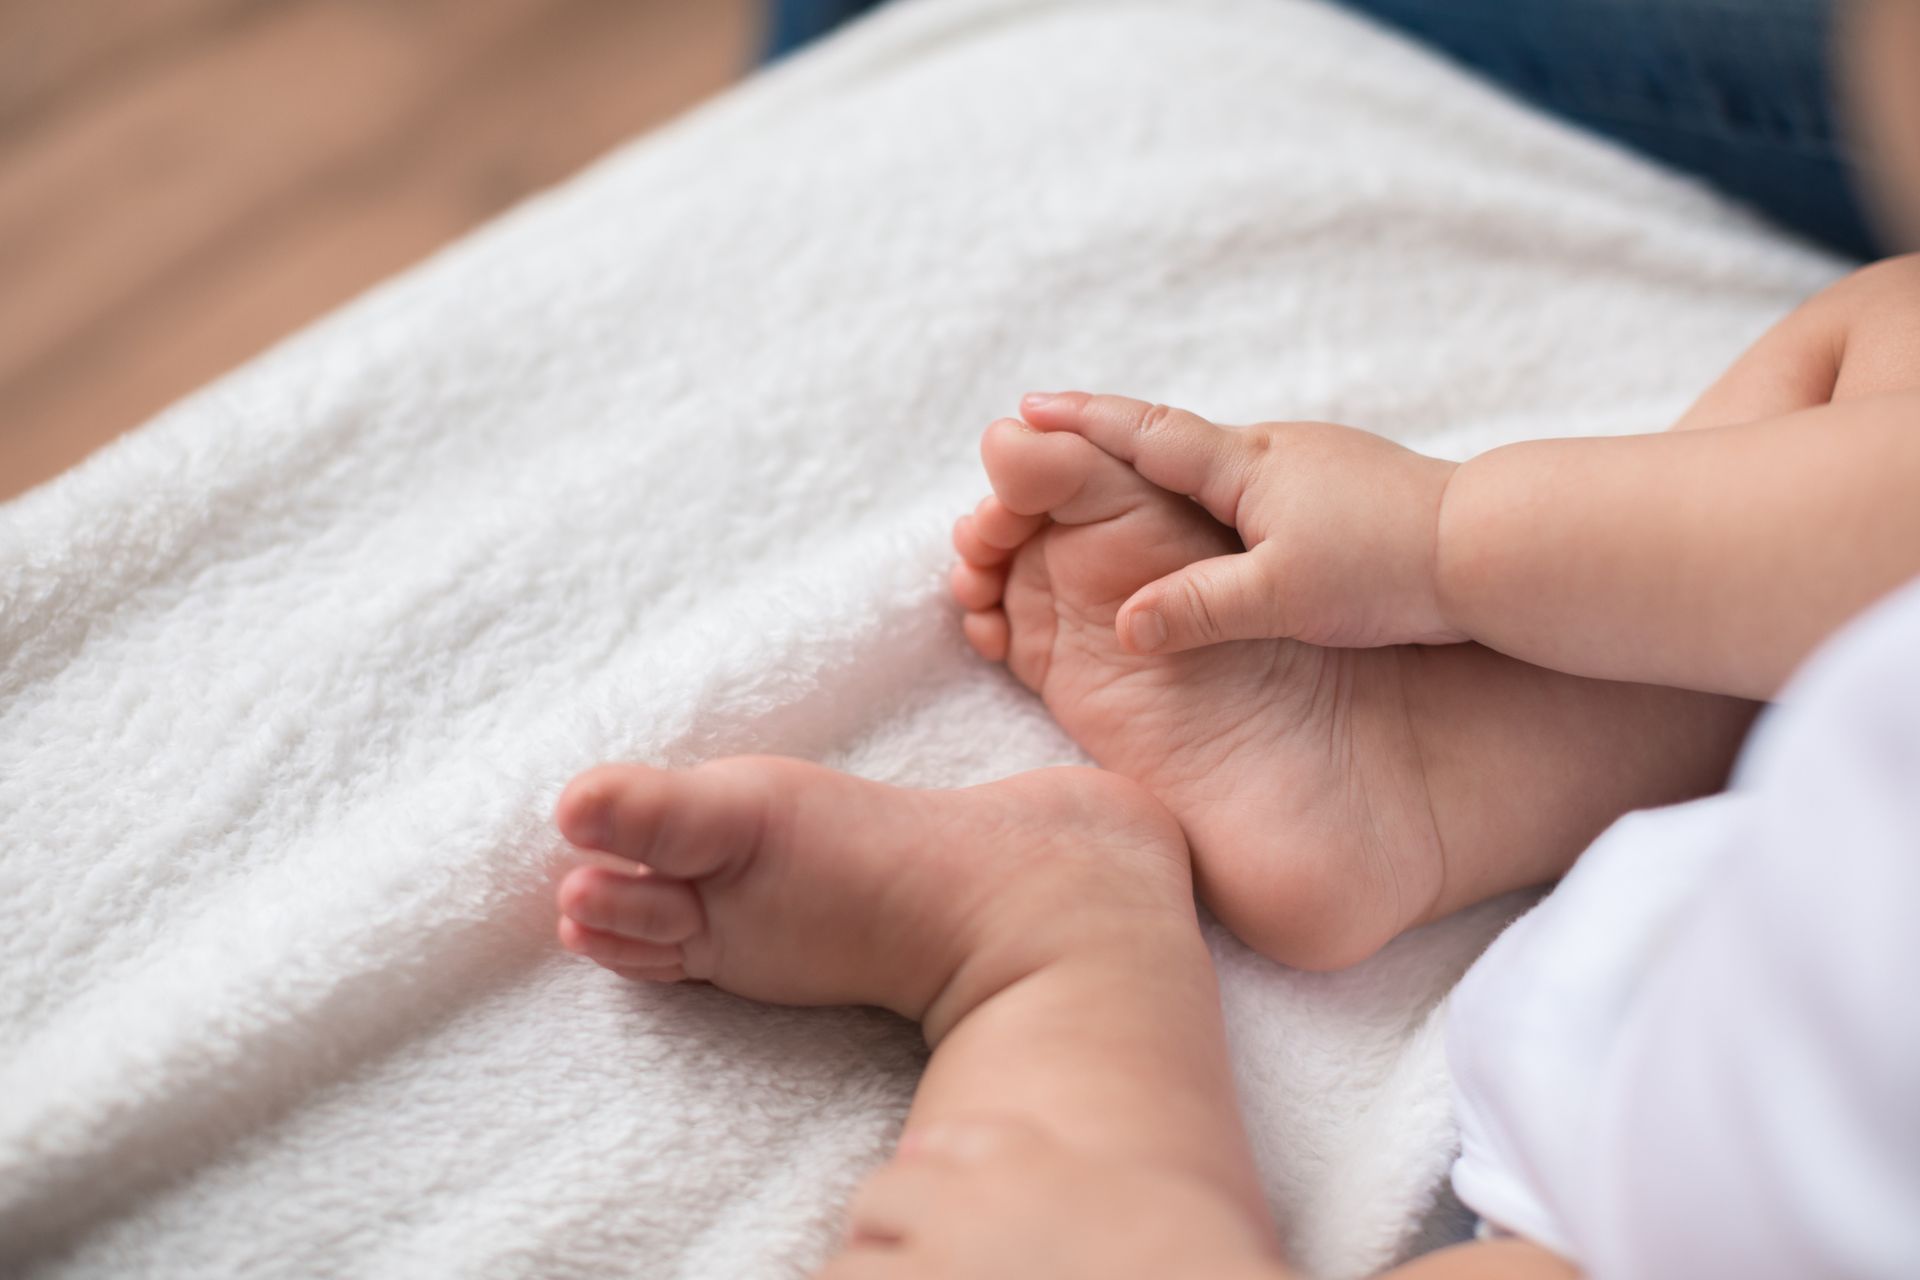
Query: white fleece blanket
pixel 662 467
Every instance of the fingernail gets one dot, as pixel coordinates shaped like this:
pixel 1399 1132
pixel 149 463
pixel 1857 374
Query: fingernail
pixel 1148 629
pixel 1038 399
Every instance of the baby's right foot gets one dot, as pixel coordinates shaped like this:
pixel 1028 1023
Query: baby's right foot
pixel 786 882
pixel 1294 769
pixel 1041 929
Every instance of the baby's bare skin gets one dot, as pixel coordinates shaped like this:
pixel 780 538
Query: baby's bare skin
pixel 1002 1200
pixel 1078 1116
pixel 1041 929
pixel 1294 770
pixel 1713 558
pixel 1333 797
pixel 1858 342
pixel 1336 796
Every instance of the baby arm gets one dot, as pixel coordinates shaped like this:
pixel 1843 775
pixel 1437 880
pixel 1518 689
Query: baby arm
pixel 1713 559
pixel 1572 753
pixel 1852 353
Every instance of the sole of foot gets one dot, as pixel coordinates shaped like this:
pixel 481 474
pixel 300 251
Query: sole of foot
pixel 1293 769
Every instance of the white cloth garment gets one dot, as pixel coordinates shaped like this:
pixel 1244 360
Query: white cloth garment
pixel 662 467
pixel 1700 1055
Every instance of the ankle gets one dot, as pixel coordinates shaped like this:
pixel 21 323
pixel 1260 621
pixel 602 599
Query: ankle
pixel 1079 944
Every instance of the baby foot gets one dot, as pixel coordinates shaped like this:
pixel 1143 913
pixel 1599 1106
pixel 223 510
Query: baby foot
pixel 789 883
pixel 1294 769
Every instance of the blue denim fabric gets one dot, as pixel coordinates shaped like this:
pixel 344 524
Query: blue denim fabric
pixel 1739 92
pixel 791 23
pixel 1735 91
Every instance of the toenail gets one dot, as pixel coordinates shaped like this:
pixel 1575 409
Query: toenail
pixel 595 832
pixel 1148 630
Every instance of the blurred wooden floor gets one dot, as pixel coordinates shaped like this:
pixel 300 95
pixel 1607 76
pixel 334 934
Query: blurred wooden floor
pixel 184 181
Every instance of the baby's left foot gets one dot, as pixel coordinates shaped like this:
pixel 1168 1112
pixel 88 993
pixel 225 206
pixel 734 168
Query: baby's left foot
pixel 1295 770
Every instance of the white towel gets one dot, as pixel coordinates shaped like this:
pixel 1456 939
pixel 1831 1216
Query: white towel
pixel 661 467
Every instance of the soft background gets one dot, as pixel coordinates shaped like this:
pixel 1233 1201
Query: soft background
pixel 184 181
pixel 661 467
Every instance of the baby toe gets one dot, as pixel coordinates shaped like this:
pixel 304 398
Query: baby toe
pixel 977 588
pixel 584 812
pixel 630 957
pixel 998 532
pixel 1058 474
pixel 1031 473
pixel 649 908
pixel 972 548
pixel 988 632
pixel 969 546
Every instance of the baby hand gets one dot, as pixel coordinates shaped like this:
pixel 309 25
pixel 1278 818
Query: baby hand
pixel 1340 527
pixel 994 1200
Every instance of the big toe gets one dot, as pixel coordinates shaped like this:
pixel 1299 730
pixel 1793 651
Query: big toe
pixel 1059 474
pixel 636 927
pixel 1111 532
pixel 680 823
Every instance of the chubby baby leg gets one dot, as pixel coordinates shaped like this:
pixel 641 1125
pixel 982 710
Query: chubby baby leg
pixel 1040 929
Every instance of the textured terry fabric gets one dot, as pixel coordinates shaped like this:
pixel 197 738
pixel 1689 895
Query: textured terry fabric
pixel 661 467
